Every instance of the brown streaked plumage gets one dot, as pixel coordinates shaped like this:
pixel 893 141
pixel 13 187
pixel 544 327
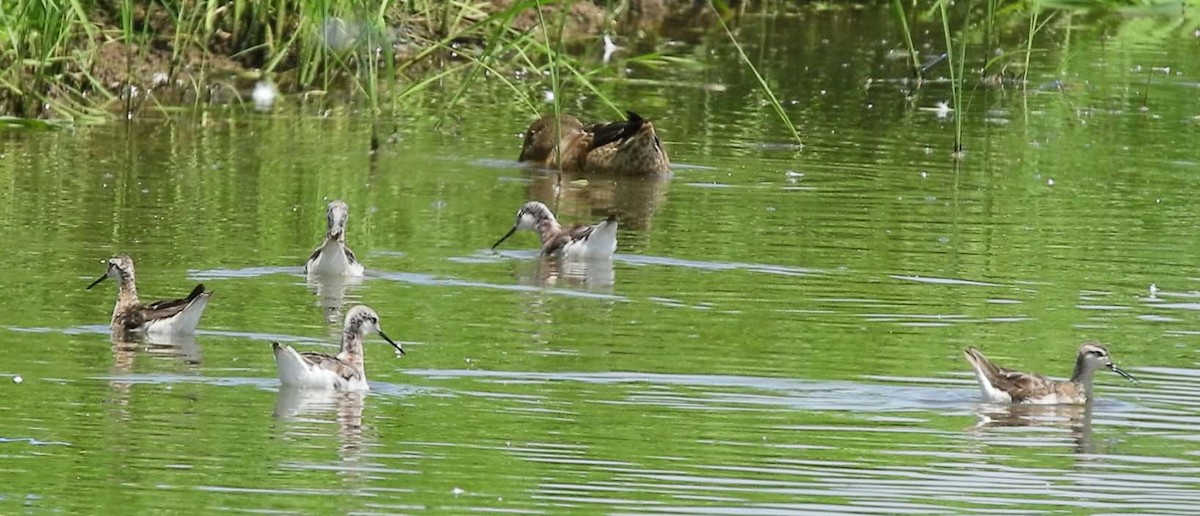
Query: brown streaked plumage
pixel 341 370
pixel 1003 385
pixel 578 241
pixel 626 147
pixel 178 316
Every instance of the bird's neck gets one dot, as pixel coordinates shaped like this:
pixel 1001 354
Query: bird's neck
pixel 127 289
pixel 548 227
pixel 1084 373
pixel 127 297
pixel 352 349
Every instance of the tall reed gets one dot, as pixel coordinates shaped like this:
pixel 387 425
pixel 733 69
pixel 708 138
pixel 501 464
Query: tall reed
pixel 762 83
pixel 914 58
pixel 956 75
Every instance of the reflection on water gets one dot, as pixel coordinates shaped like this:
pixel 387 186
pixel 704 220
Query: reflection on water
pixel 590 198
pixel 331 294
pixel 299 404
pixel 345 408
pixel 305 415
pixel 1075 420
pixel 593 275
pixel 126 346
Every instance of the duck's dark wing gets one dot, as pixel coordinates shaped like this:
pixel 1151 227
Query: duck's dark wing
pixel 331 363
pixel 604 134
pixel 349 255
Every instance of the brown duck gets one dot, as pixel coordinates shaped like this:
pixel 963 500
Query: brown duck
pixel 626 147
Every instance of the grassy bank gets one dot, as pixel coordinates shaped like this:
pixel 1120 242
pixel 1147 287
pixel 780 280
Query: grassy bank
pixel 92 58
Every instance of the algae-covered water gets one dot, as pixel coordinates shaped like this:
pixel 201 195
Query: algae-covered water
pixel 780 331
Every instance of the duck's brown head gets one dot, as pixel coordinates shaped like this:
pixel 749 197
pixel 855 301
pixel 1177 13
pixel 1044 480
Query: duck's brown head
pixel 544 135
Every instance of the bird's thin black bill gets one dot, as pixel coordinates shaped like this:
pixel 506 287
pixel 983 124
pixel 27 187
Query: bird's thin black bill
pixel 392 342
pixel 97 282
pixel 1122 372
pixel 505 237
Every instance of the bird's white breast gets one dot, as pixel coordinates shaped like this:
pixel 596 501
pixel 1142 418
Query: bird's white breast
pixel 332 261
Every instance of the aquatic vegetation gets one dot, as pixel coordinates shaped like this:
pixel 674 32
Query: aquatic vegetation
pixel 960 30
pixel 956 76
pixel 965 31
pixel 902 17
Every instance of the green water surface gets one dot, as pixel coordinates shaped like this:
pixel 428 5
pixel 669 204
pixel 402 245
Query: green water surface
pixel 780 331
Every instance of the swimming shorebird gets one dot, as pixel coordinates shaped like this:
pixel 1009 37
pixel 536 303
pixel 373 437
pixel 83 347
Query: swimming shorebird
pixel 579 241
pixel 333 258
pixel 175 316
pixel 626 147
pixel 1002 385
pixel 344 371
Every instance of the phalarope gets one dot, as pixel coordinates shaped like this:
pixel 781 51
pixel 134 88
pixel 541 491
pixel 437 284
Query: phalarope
pixel 1002 385
pixel 625 147
pixel 333 258
pixel 175 316
pixel 579 241
pixel 344 371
